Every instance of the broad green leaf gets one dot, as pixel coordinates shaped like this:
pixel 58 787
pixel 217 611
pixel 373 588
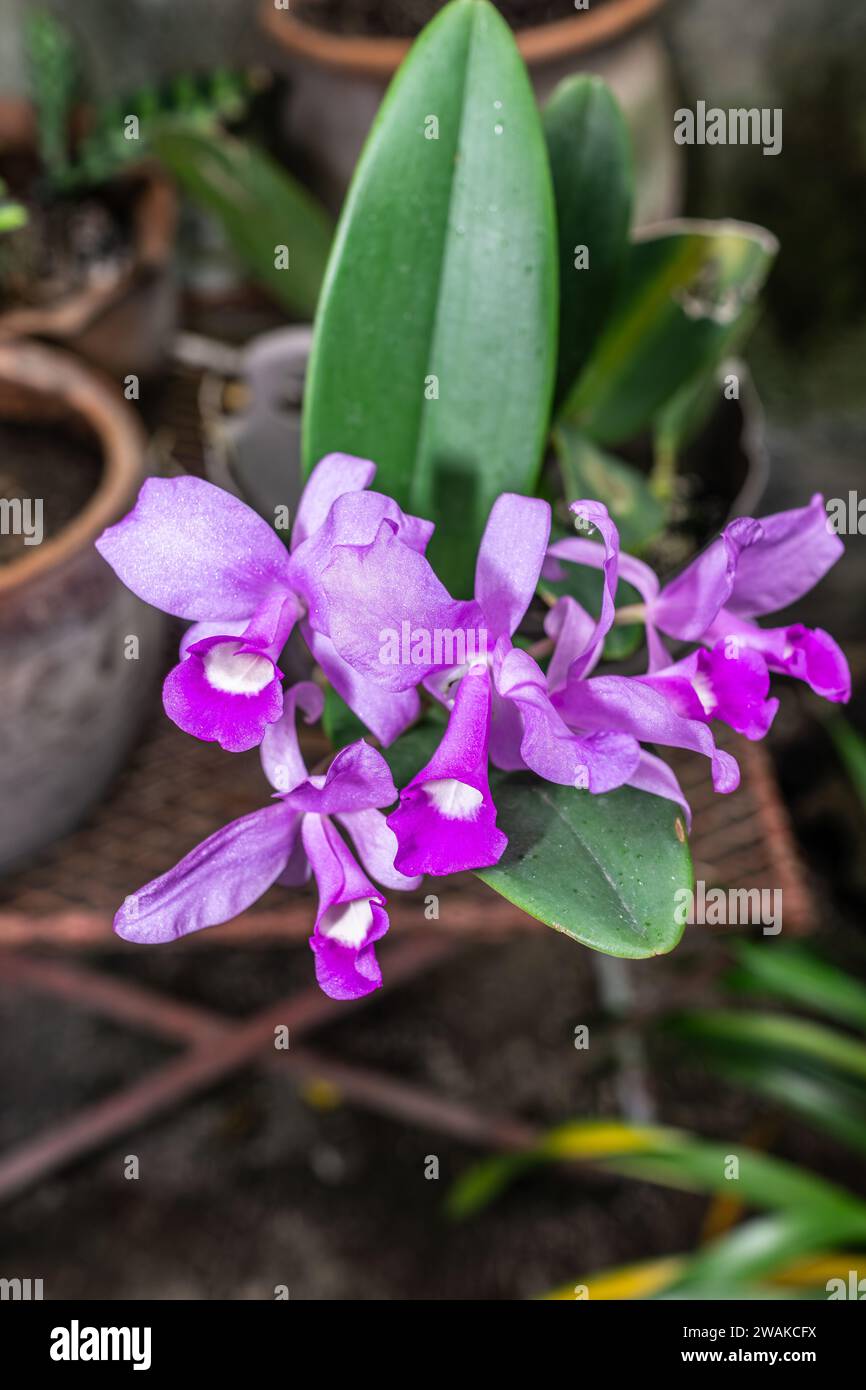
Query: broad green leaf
pixel 258 203
pixel 851 747
pixel 593 183
pixel 588 471
pixel 683 292
pixel 670 1158
pixel 602 869
pixel 777 1033
pixel 795 973
pixel 436 334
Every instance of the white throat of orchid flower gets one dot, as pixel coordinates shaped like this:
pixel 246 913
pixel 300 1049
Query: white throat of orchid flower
pixel 348 923
pixel 704 691
pixel 454 800
pixel 236 672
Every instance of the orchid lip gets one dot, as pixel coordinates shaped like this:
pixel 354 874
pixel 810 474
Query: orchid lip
pixel 235 671
pixel 702 687
pixel 454 800
pixel 349 923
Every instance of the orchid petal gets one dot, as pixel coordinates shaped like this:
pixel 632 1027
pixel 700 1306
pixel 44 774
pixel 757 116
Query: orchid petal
pixel 794 551
pixel 446 820
pixel 333 477
pixel 627 705
pixel 195 551
pixel 654 776
pixel 351 915
pixel 377 848
pixel 218 880
pixel 354 519
pixel 383 596
pixel 282 760
pixel 224 692
pixel 687 606
pixel 572 629
pixel 357 779
pixel 594 514
pixel 730 682
pixel 597 763
pixel 808 654
pixel 385 713
pixel 510 558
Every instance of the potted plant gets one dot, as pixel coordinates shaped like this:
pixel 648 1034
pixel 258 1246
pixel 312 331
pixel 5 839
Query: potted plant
pixel 341 55
pixel 92 269
pixel 485 317
pixel 78 652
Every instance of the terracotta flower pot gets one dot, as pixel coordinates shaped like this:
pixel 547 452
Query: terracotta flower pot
pixel 73 687
pixel 124 326
pixel 338 82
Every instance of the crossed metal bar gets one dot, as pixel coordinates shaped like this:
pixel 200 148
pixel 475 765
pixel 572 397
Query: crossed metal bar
pixel 215 1046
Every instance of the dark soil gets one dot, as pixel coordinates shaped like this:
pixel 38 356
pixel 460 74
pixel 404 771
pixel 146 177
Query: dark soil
pixel 405 18
pixel 64 249
pixel 53 467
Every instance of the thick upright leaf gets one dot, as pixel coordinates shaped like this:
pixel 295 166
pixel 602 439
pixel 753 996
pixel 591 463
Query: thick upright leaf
pixel 259 204
pixel 683 292
pixel 593 183
pixel 602 869
pixel 435 338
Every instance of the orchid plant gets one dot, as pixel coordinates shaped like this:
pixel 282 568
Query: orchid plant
pixel 485 733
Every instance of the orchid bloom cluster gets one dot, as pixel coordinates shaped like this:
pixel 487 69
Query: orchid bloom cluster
pixel 382 628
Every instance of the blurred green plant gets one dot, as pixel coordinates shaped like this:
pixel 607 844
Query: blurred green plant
pixel 815 1070
pixel 12 214
pixel 181 123
pixel 808 1216
pixel 851 747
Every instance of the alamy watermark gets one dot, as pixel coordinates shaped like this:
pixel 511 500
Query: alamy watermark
pixel 22 516
pixel 729 907
pixel 846 516
pixel 738 125
pixel 438 646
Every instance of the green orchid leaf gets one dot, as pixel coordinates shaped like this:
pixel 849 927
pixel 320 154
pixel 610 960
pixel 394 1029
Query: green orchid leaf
pixel 435 341
pixel 593 182
pixel 684 292
pixel 602 869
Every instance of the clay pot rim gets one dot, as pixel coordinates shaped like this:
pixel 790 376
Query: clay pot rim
pixel 54 373
pixel 380 57
pixel 154 221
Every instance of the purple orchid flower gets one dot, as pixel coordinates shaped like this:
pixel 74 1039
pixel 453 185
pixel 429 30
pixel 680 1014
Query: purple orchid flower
pixel 496 693
pixel 284 842
pixel 201 554
pixel 752 568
